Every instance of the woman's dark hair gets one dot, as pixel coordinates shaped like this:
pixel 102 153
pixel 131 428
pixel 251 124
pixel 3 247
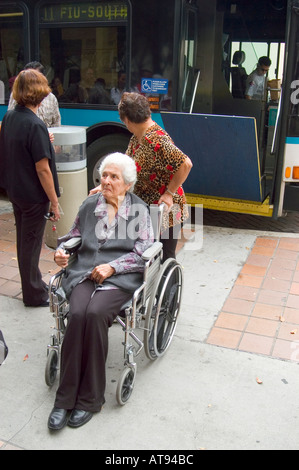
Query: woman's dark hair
pixel 30 88
pixel 134 107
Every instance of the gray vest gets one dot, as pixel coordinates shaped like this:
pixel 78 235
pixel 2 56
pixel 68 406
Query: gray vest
pixel 91 254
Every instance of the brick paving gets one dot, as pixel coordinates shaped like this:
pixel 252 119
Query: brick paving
pixel 261 313
pixel 10 283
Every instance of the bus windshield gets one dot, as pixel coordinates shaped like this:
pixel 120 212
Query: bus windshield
pixel 79 66
pixel 83 48
pixel 87 49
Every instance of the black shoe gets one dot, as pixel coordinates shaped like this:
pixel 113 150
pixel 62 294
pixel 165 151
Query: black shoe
pixel 57 419
pixel 78 418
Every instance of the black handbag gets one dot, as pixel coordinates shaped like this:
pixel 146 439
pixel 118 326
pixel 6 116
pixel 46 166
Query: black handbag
pixel 3 349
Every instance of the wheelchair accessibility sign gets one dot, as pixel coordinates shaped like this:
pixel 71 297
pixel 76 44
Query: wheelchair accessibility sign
pixel 154 85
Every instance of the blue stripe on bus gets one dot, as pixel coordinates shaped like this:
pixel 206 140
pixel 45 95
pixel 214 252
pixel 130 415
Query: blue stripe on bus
pixel 88 117
pixel 292 140
pixel 3 110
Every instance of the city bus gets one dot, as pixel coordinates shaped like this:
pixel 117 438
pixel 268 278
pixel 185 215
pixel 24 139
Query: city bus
pixel 189 58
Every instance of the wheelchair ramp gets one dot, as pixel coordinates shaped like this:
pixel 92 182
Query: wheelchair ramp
pixel 224 153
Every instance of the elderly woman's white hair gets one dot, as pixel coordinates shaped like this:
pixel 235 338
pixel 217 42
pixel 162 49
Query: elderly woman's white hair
pixel 125 163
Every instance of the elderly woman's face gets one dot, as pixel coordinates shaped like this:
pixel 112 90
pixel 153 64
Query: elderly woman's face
pixel 112 182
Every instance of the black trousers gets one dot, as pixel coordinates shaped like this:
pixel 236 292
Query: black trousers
pixel 169 240
pixel 30 227
pixel 85 347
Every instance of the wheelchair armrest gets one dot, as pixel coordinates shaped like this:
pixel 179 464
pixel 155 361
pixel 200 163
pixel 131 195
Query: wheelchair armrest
pixel 72 245
pixel 152 251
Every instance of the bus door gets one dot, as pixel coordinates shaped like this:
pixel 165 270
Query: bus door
pixel 286 142
pixel 14 46
pixel 222 143
pixel 228 136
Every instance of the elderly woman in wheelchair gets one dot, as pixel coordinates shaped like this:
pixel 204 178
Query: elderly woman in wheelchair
pixel 115 230
pixel 112 269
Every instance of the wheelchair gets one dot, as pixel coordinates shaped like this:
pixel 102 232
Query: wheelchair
pixel 153 309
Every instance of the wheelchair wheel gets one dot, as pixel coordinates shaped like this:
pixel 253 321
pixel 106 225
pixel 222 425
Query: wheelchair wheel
pixel 51 367
pixel 125 385
pixel 163 309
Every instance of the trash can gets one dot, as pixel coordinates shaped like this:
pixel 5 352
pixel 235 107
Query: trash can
pixel 70 156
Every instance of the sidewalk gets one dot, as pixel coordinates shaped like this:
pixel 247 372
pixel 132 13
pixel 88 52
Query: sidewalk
pixel 228 381
pixel 260 315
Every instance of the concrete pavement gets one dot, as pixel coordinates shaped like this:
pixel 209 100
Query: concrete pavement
pixel 198 396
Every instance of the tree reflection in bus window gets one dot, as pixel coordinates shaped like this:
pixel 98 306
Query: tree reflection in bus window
pixel 81 63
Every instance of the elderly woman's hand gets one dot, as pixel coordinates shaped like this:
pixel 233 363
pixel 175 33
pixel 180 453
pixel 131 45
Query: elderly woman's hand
pixel 101 272
pixel 61 258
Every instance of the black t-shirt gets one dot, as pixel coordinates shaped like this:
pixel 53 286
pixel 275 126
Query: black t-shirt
pixel 24 140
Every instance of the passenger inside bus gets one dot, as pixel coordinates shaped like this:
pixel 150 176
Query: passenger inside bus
pixel 57 87
pixel 74 92
pixel 117 91
pixel 255 83
pixel 88 82
pixel 238 75
pixel 98 93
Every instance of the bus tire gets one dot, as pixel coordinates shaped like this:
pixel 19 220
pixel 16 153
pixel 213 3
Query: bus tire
pixel 99 149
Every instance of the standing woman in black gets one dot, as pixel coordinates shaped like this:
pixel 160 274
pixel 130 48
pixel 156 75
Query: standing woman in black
pixel 28 173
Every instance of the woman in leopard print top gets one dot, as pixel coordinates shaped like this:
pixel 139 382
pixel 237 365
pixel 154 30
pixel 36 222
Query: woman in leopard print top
pixel 161 166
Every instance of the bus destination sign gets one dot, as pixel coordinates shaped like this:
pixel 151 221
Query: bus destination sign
pixel 83 12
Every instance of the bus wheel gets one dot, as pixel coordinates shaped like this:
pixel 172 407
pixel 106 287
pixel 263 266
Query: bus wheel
pixel 98 150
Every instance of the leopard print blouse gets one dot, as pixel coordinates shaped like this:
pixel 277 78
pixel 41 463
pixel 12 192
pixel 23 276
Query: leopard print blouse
pixel 157 159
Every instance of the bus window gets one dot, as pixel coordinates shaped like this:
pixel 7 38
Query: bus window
pixel 153 53
pixel 276 54
pixel 81 63
pixel 189 58
pixel 83 49
pixel 13 44
pixel 253 50
pixel 87 44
